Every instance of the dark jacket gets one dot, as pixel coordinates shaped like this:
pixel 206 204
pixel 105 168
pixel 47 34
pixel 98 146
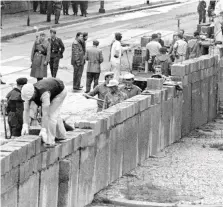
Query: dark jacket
pixel 77 56
pixel 57 47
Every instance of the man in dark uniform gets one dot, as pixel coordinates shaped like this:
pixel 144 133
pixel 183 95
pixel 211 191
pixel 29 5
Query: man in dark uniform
pixel 43 7
pixel 57 49
pixel 66 5
pixel 57 10
pixel 201 9
pixel 85 38
pixel 49 10
pixel 35 5
pixel 50 94
pixel 75 6
pixel 15 108
pixel 83 8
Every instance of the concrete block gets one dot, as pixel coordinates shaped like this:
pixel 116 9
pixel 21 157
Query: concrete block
pixel 144 135
pixel 87 138
pixel 49 179
pixel 9 198
pixel 26 170
pixel 9 180
pixel 64 183
pixel 156 96
pixel 171 91
pixel 201 63
pixel 177 117
pixel 117 114
pixel 86 172
pixel 164 94
pixel 116 140
pixel 185 80
pixel 167 115
pixel 186 116
pixel 102 163
pixel 154 84
pixel 6 162
pixel 130 148
pixel 204 101
pixel 155 129
pixel 178 70
pixel 75 165
pixel 196 104
pixel 29 192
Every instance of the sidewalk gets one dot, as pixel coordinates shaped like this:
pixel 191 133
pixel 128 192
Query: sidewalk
pixel 15 24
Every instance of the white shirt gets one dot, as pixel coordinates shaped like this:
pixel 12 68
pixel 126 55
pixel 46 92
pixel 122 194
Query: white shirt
pixel 116 50
pixel 153 47
pixel 181 47
pixel 218 7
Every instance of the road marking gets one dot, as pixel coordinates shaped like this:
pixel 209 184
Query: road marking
pixel 13 59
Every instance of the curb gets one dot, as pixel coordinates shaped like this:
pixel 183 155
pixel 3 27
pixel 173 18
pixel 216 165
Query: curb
pixel 18 34
pixel 134 203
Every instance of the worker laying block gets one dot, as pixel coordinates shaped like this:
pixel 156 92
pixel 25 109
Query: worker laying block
pixel 218 21
pixel 114 96
pixel 50 94
pixel 101 90
pixel 129 88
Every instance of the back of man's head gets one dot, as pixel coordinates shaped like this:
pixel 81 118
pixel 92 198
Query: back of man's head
pixel 118 36
pixel 180 36
pixel 154 36
pixel 196 33
pixel 78 34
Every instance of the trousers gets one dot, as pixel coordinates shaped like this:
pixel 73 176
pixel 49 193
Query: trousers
pixel 202 16
pixel 116 68
pixel 75 7
pixel 54 65
pixel 56 127
pixel 57 15
pixel 78 71
pixel 90 78
pixel 217 28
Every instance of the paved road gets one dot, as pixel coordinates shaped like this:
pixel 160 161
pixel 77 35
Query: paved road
pixel 16 52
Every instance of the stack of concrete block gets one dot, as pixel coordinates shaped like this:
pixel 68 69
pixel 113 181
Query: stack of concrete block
pixel 199 78
pixel 145 40
pixel 138 58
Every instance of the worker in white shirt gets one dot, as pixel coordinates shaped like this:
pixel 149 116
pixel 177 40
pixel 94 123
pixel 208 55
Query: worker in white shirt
pixel 218 21
pixel 180 49
pixel 152 50
pixel 116 54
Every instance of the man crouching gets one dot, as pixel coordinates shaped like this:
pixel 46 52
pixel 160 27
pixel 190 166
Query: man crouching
pixel 50 94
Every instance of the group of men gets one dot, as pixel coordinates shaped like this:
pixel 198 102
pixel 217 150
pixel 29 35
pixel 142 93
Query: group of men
pixel 55 7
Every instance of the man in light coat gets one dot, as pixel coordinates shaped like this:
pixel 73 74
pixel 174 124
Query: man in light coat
pixel 95 58
pixel 116 54
pixel 218 21
pixel 180 49
pixel 77 60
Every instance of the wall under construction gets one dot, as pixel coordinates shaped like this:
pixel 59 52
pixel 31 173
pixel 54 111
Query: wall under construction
pixel 110 143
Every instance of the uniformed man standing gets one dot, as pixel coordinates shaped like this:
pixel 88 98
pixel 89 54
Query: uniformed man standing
pixel 50 94
pixel 43 7
pixel 57 49
pixel 101 90
pixel 75 7
pixel 57 9
pixel 66 5
pixel 130 89
pixel 35 5
pixel 114 96
pixel 49 10
pixel 201 9
pixel 218 21
pixel 15 108
pixel 83 8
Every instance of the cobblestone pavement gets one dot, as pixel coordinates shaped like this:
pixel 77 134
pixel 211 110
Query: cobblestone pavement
pixel 189 172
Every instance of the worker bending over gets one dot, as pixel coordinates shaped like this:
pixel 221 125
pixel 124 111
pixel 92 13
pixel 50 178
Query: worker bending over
pixel 50 94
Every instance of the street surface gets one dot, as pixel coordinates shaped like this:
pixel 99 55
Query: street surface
pixel 15 53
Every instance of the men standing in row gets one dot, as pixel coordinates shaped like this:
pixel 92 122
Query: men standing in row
pixel 55 6
pixel 201 9
pixel 75 7
pixel 65 7
pixel 77 61
pixel 152 50
pixel 15 108
pixel 95 58
pixel 101 90
pixel 57 49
